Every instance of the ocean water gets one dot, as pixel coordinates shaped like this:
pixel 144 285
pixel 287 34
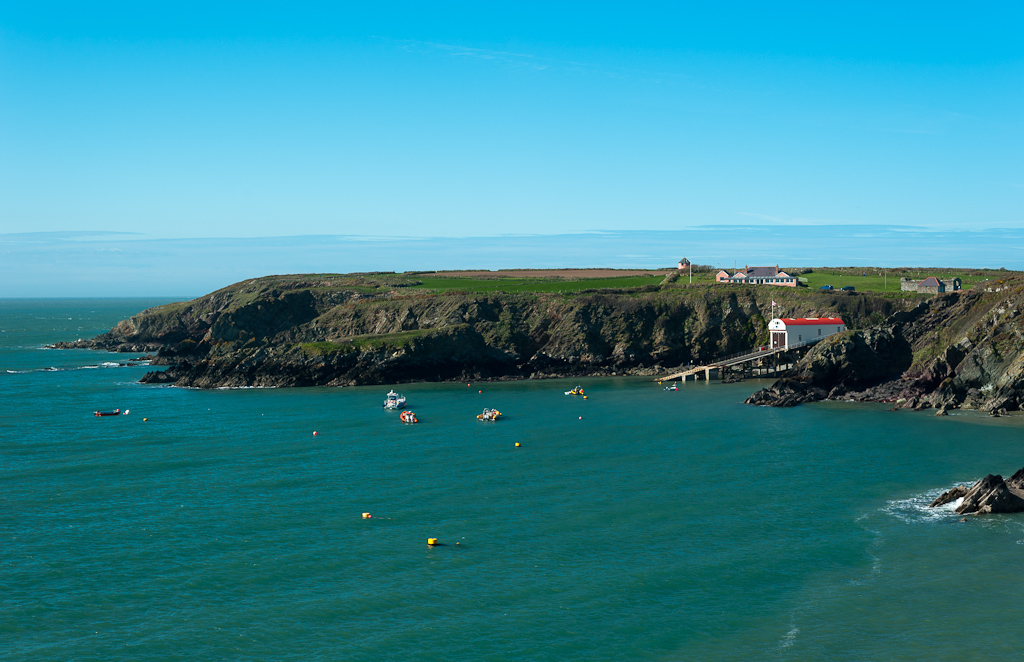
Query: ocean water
pixel 638 524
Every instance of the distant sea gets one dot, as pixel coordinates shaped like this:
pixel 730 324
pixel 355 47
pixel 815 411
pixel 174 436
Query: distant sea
pixel 118 264
pixel 639 524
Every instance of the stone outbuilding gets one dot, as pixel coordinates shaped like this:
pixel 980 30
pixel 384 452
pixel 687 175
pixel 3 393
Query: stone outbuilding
pixel 930 285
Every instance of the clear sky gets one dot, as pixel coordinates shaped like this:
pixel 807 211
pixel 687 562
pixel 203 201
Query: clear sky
pixel 203 120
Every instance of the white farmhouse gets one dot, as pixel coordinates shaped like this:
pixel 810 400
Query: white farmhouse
pixel 788 332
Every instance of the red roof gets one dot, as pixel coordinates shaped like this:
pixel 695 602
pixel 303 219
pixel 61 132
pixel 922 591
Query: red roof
pixel 811 321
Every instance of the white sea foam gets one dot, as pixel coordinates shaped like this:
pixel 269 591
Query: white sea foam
pixel 918 509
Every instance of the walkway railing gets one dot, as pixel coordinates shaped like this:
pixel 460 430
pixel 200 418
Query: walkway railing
pixel 741 357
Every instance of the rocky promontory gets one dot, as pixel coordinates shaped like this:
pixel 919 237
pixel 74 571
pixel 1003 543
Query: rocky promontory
pixel 370 329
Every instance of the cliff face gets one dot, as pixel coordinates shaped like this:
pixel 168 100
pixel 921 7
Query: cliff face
pixel 340 330
pixel 957 350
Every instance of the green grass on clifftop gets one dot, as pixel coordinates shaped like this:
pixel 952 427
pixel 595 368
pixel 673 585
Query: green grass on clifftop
pixel 512 285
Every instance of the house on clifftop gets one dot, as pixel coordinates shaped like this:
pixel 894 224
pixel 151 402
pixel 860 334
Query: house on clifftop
pixel 758 276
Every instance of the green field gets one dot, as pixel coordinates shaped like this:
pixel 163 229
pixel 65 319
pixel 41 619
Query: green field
pixel 532 284
pixel 874 280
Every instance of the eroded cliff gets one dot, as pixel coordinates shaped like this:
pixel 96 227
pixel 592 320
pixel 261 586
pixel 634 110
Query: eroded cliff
pixel 342 330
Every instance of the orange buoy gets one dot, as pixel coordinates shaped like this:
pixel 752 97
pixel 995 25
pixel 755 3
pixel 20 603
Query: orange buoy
pixel 314 433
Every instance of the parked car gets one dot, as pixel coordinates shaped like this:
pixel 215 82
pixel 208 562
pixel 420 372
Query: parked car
pixel 848 288
pixel 826 287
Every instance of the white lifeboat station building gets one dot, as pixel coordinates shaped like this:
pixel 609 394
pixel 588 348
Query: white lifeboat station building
pixel 788 332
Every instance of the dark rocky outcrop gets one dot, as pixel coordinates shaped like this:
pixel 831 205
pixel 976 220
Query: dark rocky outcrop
pixel 787 392
pixel 992 494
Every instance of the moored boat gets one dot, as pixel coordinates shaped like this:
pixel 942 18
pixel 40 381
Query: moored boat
pixel 489 415
pixel 577 390
pixel 394 401
pixel 114 412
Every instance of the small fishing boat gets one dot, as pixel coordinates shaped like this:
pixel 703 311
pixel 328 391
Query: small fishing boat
pixel 672 388
pixel 577 390
pixel 115 412
pixel 394 401
pixel 408 417
pixel 489 415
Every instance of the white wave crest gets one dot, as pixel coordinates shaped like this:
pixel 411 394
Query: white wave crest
pixel 918 507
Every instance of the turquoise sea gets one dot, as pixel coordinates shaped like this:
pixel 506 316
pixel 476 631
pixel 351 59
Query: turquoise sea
pixel 638 524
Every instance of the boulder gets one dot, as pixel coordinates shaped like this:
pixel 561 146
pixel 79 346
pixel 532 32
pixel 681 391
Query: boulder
pixel 991 494
pixel 950 496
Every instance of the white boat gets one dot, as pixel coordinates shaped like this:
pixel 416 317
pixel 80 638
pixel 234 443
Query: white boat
pixel 489 415
pixel 394 401
pixel 672 388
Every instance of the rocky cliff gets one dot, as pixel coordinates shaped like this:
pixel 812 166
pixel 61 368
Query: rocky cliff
pixel 957 350
pixel 352 329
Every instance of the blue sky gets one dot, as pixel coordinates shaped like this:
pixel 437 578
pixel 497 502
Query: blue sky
pixel 193 121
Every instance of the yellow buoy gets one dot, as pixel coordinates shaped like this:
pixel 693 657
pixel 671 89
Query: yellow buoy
pixel 517 444
pixel 584 397
pixel 145 419
pixel 367 516
pixel 431 541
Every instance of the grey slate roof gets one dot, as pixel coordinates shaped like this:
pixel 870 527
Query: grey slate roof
pixel 762 272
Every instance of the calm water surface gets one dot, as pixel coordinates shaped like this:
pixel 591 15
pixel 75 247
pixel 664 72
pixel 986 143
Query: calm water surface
pixel 659 526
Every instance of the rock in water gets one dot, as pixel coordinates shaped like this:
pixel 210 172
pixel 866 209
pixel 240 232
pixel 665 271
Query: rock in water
pixel 992 494
pixel 786 393
pixel 950 496
pixel 159 377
